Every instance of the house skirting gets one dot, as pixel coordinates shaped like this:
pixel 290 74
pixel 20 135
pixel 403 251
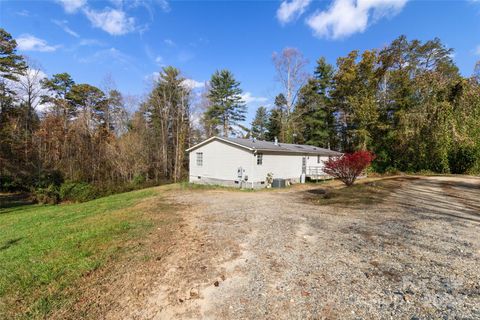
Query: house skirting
pixel 233 183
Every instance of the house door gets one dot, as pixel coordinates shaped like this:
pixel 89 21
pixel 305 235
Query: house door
pixel 304 165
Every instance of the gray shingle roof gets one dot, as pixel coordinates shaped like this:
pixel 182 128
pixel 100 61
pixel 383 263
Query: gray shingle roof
pixel 262 145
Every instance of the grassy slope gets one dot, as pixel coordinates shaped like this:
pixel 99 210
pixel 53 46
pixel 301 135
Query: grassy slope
pixel 45 249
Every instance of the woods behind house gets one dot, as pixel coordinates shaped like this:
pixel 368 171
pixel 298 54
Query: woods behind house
pixel 407 103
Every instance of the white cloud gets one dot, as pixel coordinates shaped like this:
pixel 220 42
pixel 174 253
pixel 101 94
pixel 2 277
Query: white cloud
pixel 27 42
pixel 72 6
pixel 109 55
pixel 113 21
pixel 149 5
pixel 249 98
pixel 185 56
pixel 476 51
pixel 154 76
pixel 159 60
pixel 169 42
pixel 63 24
pixel 117 3
pixel 23 13
pixel 346 17
pixel 290 10
pixel 164 5
pixel 193 84
pixel 90 42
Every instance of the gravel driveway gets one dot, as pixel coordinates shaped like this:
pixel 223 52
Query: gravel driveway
pixel 274 255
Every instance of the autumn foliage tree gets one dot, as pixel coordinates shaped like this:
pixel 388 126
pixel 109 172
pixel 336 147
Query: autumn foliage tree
pixel 348 167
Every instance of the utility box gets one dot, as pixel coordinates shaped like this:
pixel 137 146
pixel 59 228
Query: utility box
pixel 279 183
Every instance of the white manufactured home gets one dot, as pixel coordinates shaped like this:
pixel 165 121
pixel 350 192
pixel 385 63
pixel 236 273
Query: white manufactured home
pixel 247 162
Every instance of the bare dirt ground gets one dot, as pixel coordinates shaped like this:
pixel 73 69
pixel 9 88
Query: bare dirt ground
pixel 277 255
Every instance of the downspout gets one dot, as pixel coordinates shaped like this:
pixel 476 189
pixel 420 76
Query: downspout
pixel 253 164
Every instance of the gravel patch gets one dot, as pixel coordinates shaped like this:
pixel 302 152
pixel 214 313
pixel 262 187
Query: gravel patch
pixel 273 255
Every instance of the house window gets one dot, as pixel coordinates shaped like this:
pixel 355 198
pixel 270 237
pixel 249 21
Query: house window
pixel 259 159
pixel 199 159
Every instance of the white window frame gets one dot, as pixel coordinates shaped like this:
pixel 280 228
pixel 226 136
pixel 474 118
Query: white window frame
pixel 199 159
pixel 259 159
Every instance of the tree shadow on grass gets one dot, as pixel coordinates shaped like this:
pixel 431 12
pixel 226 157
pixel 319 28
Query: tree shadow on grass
pixel 433 199
pixel 7 244
pixel 361 194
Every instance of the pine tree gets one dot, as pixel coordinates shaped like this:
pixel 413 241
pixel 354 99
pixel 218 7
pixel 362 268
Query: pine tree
pixel 310 109
pixel 11 67
pixel 227 106
pixel 274 125
pixel 260 123
pixel 277 122
pixel 315 116
pixel 58 86
pixel 323 75
pixel 11 64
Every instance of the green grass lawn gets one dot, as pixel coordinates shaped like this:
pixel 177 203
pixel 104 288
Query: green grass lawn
pixel 44 250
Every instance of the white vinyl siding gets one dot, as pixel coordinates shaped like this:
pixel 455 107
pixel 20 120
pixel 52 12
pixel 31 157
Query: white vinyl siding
pixel 286 166
pixel 221 161
pixel 218 162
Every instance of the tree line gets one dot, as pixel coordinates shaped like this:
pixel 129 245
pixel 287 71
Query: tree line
pixel 407 103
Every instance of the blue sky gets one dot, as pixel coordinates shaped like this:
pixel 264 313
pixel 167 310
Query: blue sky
pixel 132 39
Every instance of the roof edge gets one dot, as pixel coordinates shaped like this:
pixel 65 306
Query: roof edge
pixel 198 145
pixel 319 152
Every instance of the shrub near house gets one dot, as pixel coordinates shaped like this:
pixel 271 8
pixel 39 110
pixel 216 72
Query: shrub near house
pixel 348 167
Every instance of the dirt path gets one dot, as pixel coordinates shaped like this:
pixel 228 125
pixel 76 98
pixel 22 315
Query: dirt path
pixel 273 255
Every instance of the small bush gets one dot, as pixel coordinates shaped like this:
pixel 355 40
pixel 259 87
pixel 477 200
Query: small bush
pixel 462 159
pixel 77 192
pixel 48 178
pixel 349 166
pixel 139 180
pixel 48 195
pixel 392 171
pixel 425 172
pixel 19 182
pixel 7 183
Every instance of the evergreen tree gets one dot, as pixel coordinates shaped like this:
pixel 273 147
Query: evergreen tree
pixel 344 90
pixel 323 75
pixel 89 101
pixel 227 106
pixel 260 123
pixel 277 122
pixel 312 124
pixel 315 117
pixel 406 102
pixel 58 86
pixel 12 65
pixel 274 125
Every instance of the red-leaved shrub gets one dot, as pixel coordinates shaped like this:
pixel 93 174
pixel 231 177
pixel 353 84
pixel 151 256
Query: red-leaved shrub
pixel 349 166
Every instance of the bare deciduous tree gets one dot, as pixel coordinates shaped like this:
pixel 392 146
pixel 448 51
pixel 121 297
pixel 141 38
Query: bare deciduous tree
pixel 290 67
